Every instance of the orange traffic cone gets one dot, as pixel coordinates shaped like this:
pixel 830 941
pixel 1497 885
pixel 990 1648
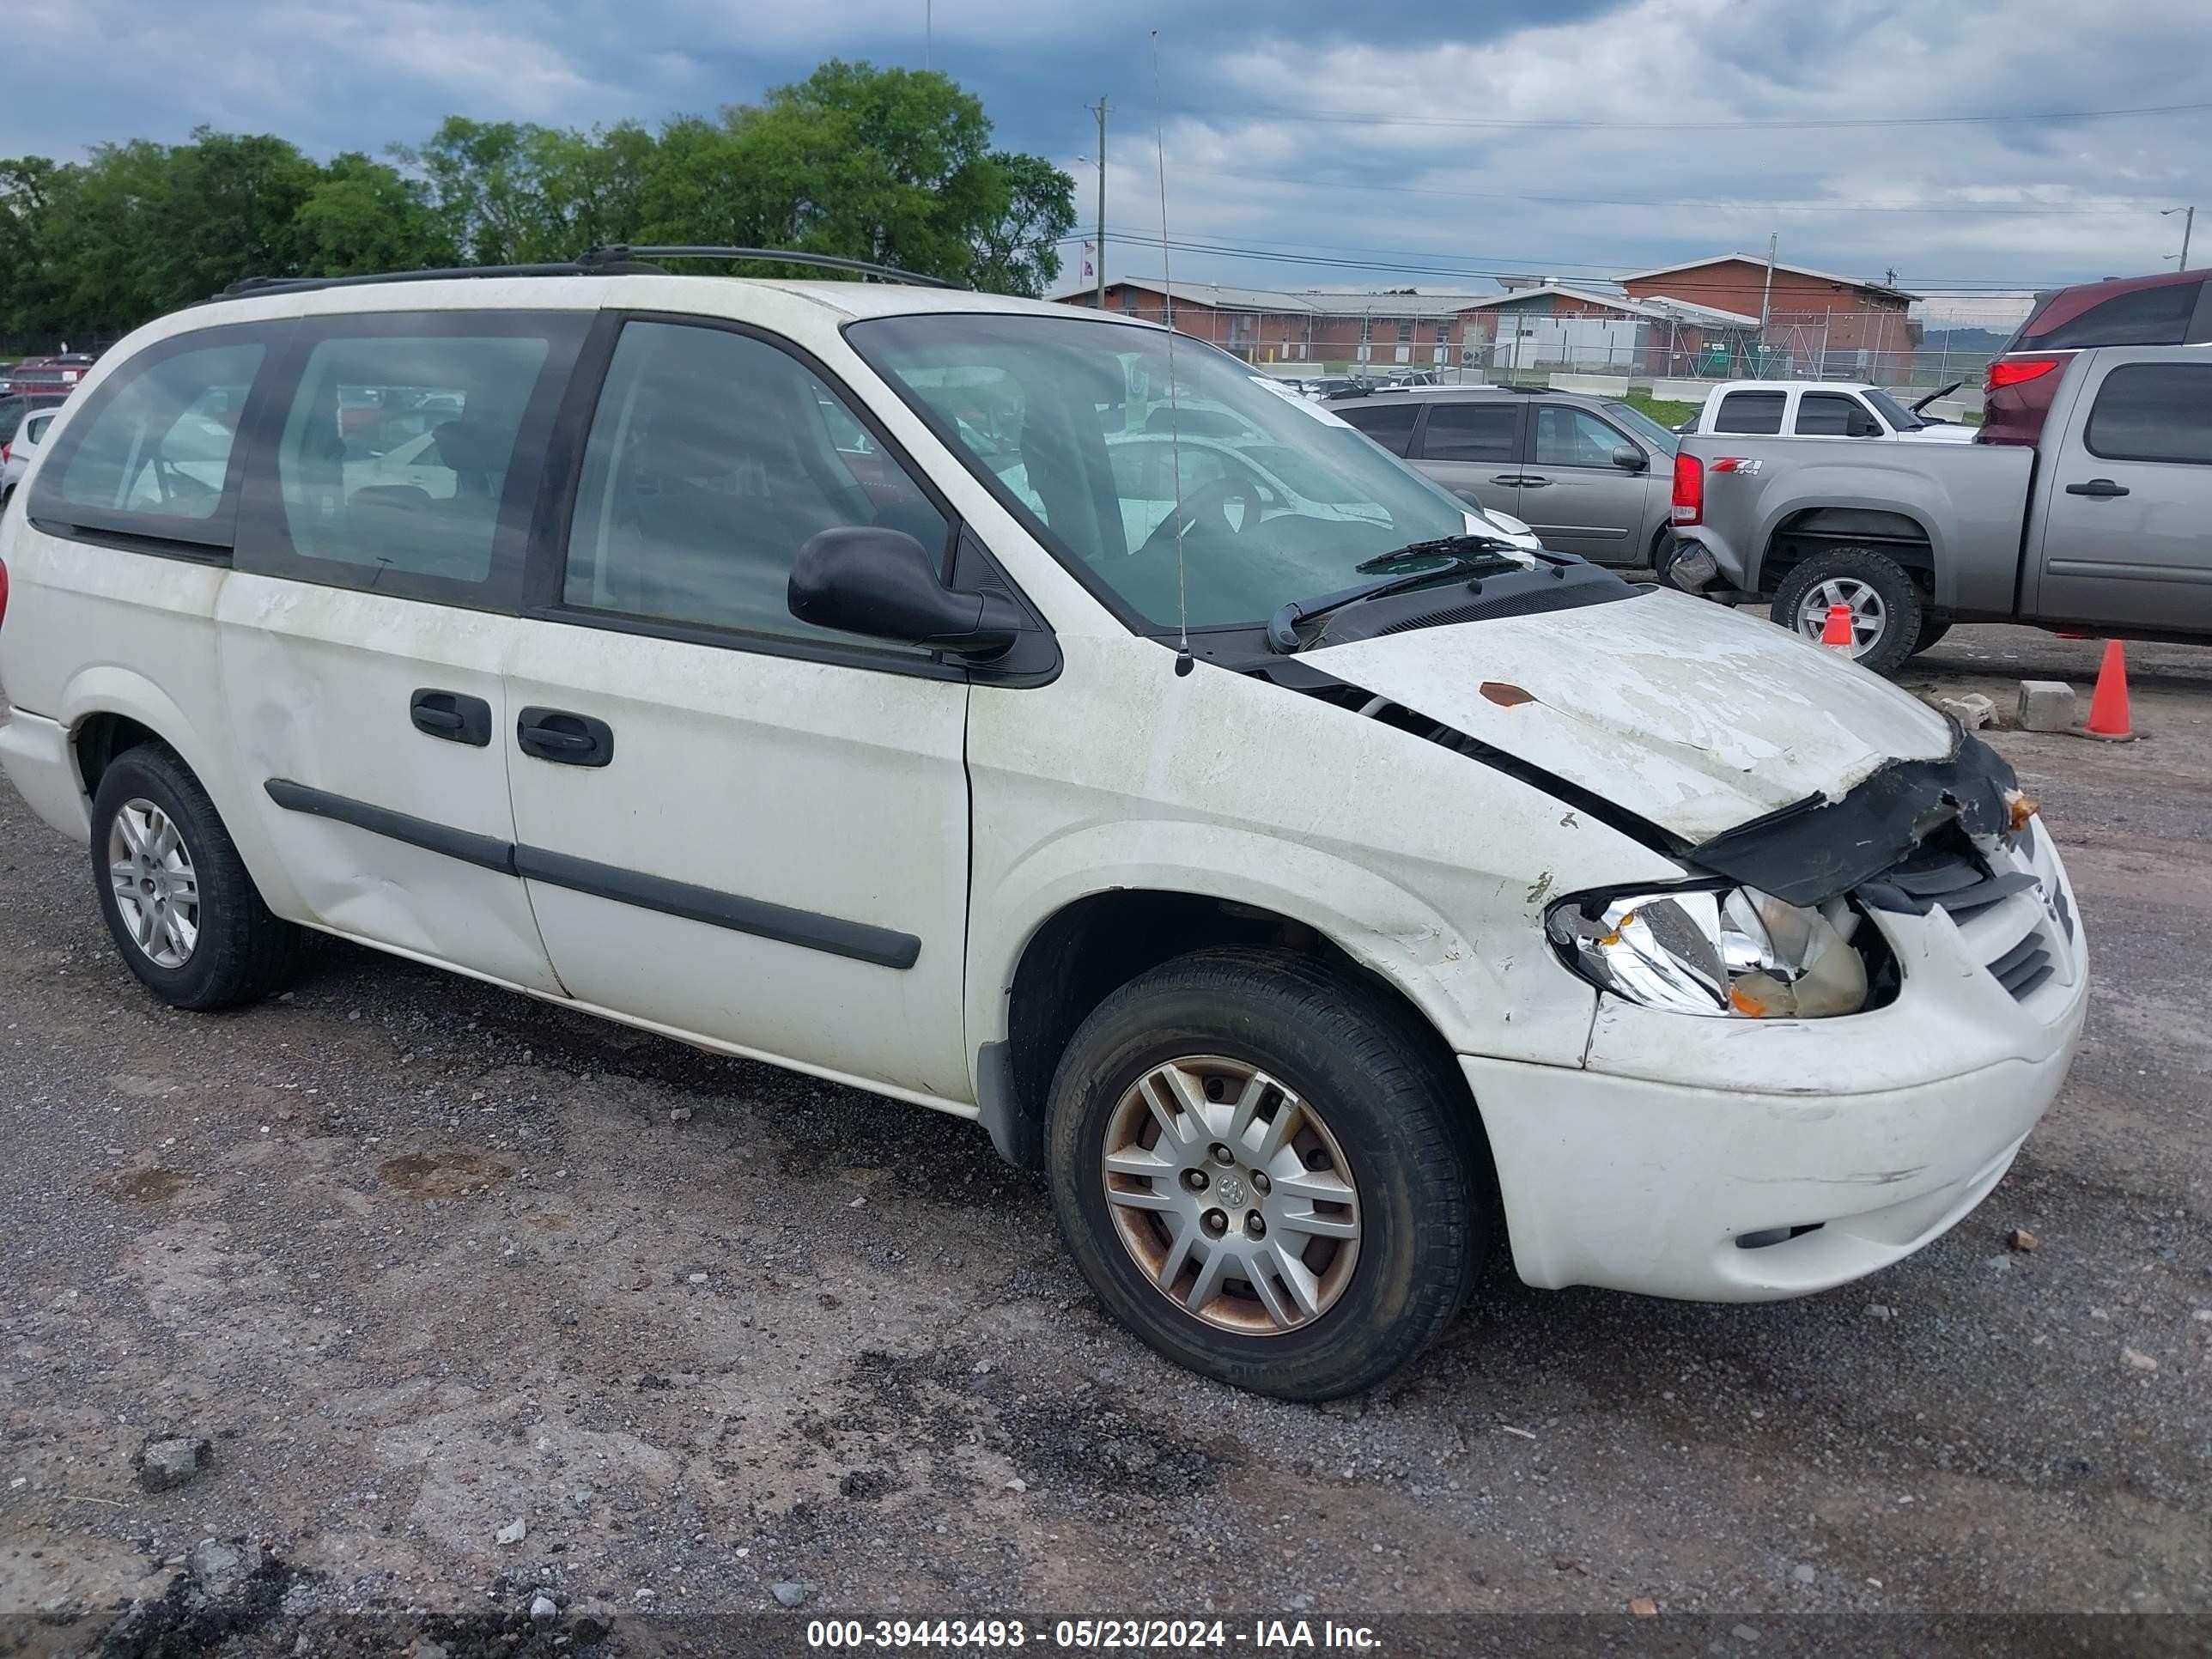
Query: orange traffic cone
pixel 2108 708
pixel 1838 628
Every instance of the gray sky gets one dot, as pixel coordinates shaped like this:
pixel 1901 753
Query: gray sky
pixel 1573 138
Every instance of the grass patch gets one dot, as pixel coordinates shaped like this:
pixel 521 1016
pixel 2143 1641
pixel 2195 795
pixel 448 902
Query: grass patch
pixel 1665 411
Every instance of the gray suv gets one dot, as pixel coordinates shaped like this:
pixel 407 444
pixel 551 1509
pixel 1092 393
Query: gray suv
pixel 1589 475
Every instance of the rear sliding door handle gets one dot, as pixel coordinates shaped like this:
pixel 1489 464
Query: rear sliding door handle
pixel 451 716
pixel 566 740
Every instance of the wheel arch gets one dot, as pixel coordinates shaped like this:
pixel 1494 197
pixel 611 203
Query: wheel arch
pixel 1808 532
pixel 1092 944
pixel 108 710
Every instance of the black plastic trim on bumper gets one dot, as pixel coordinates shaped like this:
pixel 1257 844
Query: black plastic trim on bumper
pixel 858 940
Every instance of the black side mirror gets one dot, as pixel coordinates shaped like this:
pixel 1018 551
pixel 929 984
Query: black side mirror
pixel 864 578
pixel 1629 459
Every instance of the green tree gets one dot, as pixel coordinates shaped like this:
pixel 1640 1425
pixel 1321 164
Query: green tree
pixel 363 216
pixel 1015 252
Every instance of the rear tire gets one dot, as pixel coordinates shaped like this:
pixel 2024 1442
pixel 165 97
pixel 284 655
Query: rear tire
pixel 1886 601
pixel 196 932
pixel 1366 1110
pixel 1932 628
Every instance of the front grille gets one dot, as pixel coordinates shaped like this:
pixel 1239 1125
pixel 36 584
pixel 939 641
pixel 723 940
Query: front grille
pixel 1999 911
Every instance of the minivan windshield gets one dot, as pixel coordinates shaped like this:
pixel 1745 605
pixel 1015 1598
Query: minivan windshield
pixel 1077 425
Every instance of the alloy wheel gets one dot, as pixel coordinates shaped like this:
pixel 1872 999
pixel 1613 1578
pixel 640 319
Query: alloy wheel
pixel 157 892
pixel 1870 616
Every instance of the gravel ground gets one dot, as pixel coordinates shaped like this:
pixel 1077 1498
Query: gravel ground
pixel 422 1259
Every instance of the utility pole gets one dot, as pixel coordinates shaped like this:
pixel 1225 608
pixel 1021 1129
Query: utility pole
pixel 1766 293
pixel 1099 302
pixel 2188 224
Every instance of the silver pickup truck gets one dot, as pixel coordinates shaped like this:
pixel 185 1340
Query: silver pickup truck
pixel 2104 526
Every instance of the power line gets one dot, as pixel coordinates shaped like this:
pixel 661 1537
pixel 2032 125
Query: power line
pixel 1309 183
pixel 1792 124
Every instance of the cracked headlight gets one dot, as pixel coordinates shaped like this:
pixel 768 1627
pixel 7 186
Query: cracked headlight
pixel 1733 952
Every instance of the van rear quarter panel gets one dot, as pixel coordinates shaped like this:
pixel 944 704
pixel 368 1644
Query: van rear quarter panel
pixel 96 631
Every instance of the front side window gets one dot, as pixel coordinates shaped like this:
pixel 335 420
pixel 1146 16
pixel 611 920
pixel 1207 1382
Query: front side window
pixel 409 443
pixel 2153 412
pixel 1752 414
pixel 1061 395
pixel 152 454
pixel 713 458
pixel 1573 437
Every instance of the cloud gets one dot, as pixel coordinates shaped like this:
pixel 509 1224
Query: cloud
pixel 2070 199
pixel 1252 161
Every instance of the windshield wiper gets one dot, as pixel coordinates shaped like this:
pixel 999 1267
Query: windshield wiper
pixel 1445 556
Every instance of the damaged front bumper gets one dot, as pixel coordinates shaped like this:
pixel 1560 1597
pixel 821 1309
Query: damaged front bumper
pixel 1746 1160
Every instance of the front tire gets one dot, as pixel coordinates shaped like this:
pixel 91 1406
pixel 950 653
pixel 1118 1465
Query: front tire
pixel 1266 1173
pixel 1885 604
pixel 173 892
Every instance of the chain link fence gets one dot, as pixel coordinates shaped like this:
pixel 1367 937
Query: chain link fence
pixel 1458 340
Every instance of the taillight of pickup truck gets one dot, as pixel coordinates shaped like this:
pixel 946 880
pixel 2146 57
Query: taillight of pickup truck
pixel 2017 394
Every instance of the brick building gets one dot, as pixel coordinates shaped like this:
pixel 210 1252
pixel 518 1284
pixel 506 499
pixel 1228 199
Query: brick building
pixel 1408 327
pixel 1817 322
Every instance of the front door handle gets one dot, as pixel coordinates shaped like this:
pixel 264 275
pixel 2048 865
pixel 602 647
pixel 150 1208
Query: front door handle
pixel 566 740
pixel 1509 479
pixel 2098 487
pixel 451 716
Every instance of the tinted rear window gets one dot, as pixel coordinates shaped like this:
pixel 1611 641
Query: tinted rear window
pixel 2153 412
pixel 1470 432
pixel 152 454
pixel 1754 413
pixel 2149 316
pixel 1391 425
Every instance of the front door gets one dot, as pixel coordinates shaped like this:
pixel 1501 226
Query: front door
pixel 1575 496
pixel 733 824
pixel 364 629
pixel 1472 447
pixel 2127 507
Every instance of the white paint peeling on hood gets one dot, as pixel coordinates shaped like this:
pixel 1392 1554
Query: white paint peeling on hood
pixel 1679 710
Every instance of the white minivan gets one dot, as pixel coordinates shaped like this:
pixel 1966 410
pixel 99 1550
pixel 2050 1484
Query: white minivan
pixel 1321 898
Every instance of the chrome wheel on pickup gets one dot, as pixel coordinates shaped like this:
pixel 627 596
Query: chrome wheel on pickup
pixel 1885 604
pixel 1869 617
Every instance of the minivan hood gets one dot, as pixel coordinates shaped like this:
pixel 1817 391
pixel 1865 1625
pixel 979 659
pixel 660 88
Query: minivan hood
pixel 1679 710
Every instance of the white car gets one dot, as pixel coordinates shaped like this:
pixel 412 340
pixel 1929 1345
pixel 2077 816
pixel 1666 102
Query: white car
pixel 1322 902
pixel 1820 408
pixel 16 453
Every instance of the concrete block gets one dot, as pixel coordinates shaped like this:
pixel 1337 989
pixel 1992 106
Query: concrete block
pixel 2046 705
pixel 1970 709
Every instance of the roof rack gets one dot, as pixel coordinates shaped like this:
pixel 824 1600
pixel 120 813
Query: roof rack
pixel 598 257
pixel 617 260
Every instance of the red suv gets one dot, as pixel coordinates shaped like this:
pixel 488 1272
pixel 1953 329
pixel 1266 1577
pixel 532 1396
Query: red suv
pixel 2172 309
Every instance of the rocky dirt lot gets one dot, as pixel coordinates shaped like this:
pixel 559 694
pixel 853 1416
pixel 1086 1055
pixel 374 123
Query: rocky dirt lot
pixel 480 1305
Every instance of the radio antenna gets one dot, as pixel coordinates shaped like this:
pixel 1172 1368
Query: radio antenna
pixel 1183 660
